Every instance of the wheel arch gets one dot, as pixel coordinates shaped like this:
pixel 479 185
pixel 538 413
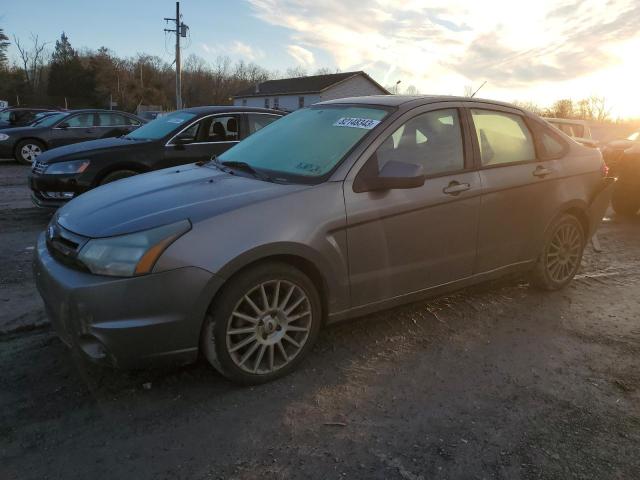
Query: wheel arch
pixel 302 257
pixel 136 167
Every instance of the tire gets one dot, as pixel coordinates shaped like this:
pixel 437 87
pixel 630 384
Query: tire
pixel 561 256
pixel 27 150
pixel 117 175
pixel 263 344
pixel 626 199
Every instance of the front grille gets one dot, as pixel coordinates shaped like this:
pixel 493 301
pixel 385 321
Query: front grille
pixel 65 245
pixel 38 167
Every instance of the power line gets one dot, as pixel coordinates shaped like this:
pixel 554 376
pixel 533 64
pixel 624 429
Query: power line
pixel 180 32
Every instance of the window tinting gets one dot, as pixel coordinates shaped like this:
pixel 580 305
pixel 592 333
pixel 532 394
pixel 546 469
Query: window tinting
pixel 258 122
pixel 111 120
pixel 222 129
pixel 433 140
pixel 503 137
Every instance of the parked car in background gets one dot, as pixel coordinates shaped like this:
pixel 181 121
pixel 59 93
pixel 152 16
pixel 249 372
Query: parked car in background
pixel 21 116
pixel 337 210
pixel 623 158
pixel 185 136
pixel 577 129
pixel 26 143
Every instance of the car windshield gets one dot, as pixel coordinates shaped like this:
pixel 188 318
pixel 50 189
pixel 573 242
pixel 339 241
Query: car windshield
pixel 160 127
pixel 49 120
pixel 635 136
pixel 307 144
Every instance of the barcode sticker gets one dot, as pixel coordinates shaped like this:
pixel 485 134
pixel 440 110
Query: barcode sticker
pixel 365 123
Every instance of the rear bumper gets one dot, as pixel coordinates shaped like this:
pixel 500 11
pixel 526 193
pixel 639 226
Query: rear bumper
pixel 126 322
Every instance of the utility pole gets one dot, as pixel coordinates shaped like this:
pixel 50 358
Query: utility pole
pixel 180 31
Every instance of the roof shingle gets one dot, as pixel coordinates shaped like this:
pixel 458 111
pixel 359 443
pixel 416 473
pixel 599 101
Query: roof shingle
pixel 313 84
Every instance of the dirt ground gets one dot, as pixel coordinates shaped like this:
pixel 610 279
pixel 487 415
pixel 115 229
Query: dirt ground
pixel 497 381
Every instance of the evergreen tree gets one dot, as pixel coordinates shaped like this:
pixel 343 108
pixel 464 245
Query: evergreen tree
pixel 68 77
pixel 4 44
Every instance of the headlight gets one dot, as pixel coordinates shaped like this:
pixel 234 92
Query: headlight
pixel 3 137
pixel 131 254
pixel 62 168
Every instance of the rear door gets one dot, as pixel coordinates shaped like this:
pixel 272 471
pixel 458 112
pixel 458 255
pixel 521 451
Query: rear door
pixel 519 193
pixel 407 240
pixel 211 135
pixel 75 128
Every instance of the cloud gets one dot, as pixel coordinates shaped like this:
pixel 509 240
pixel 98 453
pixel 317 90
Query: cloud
pixel 303 56
pixel 437 44
pixel 236 48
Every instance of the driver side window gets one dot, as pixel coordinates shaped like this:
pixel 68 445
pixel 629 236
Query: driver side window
pixel 432 140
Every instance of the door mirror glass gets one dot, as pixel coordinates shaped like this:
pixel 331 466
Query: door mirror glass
pixel 393 175
pixel 63 125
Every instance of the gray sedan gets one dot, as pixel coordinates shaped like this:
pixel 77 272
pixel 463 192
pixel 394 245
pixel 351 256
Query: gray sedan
pixel 335 211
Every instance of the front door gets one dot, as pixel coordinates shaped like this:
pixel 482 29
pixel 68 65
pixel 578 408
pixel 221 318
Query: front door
pixel 75 128
pixel 208 136
pixel 407 240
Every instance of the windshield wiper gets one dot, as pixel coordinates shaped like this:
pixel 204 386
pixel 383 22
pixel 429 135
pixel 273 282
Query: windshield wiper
pixel 245 167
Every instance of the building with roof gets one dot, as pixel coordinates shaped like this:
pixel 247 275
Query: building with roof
pixel 290 94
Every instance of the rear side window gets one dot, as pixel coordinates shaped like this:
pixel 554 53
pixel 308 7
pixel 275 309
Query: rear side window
pixel 502 137
pixel 111 120
pixel 258 122
pixel 82 120
pixel 432 140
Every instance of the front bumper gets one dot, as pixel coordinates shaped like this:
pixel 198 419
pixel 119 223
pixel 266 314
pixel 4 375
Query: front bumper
pixel 42 183
pixel 126 322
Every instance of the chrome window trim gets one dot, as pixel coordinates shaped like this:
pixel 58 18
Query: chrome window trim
pixel 229 114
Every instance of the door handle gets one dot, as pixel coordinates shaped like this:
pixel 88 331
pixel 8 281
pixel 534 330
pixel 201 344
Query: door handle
pixel 542 171
pixel 456 188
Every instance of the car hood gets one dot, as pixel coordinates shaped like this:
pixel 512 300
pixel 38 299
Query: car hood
pixel 91 147
pixel 164 197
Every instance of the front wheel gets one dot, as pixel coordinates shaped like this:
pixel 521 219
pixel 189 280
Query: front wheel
pixel 562 254
pixel 263 324
pixel 28 150
pixel 118 175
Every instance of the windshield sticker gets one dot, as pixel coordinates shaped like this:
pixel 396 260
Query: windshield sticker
pixel 365 123
pixel 309 167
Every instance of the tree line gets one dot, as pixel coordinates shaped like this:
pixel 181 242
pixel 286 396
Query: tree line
pixel 63 76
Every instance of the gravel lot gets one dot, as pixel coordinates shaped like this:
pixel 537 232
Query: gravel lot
pixel 498 381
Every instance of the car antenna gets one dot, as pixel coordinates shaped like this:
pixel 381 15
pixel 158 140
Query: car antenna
pixel 474 93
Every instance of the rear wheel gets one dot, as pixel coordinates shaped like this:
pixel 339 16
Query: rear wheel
pixel 626 199
pixel 263 324
pixel 28 150
pixel 118 175
pixel 560 260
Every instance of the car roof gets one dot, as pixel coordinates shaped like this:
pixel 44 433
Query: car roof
pixel 413 100
pixel 568 121
pixel 228 109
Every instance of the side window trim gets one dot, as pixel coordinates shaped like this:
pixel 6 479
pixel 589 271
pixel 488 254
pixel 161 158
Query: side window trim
pixel 213 115
pixel 476 145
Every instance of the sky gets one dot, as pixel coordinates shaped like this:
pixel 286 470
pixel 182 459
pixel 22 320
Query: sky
pixel 531 51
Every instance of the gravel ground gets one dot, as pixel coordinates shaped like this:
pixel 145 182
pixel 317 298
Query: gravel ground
pixel 497 381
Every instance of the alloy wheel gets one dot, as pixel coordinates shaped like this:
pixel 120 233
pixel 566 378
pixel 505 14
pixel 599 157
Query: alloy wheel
pixel 30 152
pixel 563 253
pixel 269 327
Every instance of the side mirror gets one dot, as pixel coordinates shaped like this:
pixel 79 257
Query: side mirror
pixel 63 125
pixel 394 175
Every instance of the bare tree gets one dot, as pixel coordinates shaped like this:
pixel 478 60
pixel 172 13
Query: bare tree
pixel 599 109
pixel 33 60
